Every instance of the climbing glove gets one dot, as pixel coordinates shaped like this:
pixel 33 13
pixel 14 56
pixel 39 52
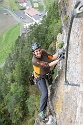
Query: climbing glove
pixel 61 57
pixel 60 53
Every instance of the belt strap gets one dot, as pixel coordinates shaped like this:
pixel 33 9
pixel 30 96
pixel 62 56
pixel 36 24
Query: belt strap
pixel 43 76
pixel 40 75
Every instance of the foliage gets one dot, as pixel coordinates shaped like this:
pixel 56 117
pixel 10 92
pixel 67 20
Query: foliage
pixel 40 7
pixel 48 3
pixel 22 8
pixel 33 107
pixel 13 101
pixel 52 48
pixel 60 45
pixel 32 104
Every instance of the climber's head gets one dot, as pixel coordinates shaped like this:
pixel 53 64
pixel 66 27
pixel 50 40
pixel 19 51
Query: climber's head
pixel 36 49
pixel 35 46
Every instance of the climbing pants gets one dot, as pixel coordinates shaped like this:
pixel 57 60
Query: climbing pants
pixel 41 82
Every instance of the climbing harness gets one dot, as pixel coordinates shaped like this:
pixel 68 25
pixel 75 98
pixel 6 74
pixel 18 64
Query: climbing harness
pixel 76 13
pixel 32 80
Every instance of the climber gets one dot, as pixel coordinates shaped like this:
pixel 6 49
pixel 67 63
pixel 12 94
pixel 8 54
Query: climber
pixel 42 61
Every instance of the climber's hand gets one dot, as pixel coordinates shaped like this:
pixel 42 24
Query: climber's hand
pixel 60 53
pixel 61 57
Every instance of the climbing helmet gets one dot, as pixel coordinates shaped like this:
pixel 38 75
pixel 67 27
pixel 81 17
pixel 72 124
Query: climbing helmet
pixel 35 46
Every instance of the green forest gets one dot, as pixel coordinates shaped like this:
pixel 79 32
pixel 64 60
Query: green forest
pixel 19 100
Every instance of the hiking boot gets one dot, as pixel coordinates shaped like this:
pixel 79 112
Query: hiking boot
pixel 41 115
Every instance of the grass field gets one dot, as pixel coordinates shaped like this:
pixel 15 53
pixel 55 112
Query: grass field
pixel 6 21
pixel 7 41
pixel 11 4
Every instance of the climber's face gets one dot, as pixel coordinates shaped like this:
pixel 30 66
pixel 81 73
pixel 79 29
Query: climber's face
pixel 38 53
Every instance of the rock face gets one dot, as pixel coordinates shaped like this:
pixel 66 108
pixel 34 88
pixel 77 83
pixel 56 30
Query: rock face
pixel 67 99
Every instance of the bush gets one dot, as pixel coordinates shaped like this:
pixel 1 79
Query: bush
pixel 60 45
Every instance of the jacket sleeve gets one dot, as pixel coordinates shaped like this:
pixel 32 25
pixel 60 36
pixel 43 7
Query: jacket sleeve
pixel 50 57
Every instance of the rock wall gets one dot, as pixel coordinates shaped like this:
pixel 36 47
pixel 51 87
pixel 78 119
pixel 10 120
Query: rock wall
pixel 68 100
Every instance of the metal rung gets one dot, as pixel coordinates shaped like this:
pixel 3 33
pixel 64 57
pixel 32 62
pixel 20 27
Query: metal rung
pixel 77 12
pixel 71 84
